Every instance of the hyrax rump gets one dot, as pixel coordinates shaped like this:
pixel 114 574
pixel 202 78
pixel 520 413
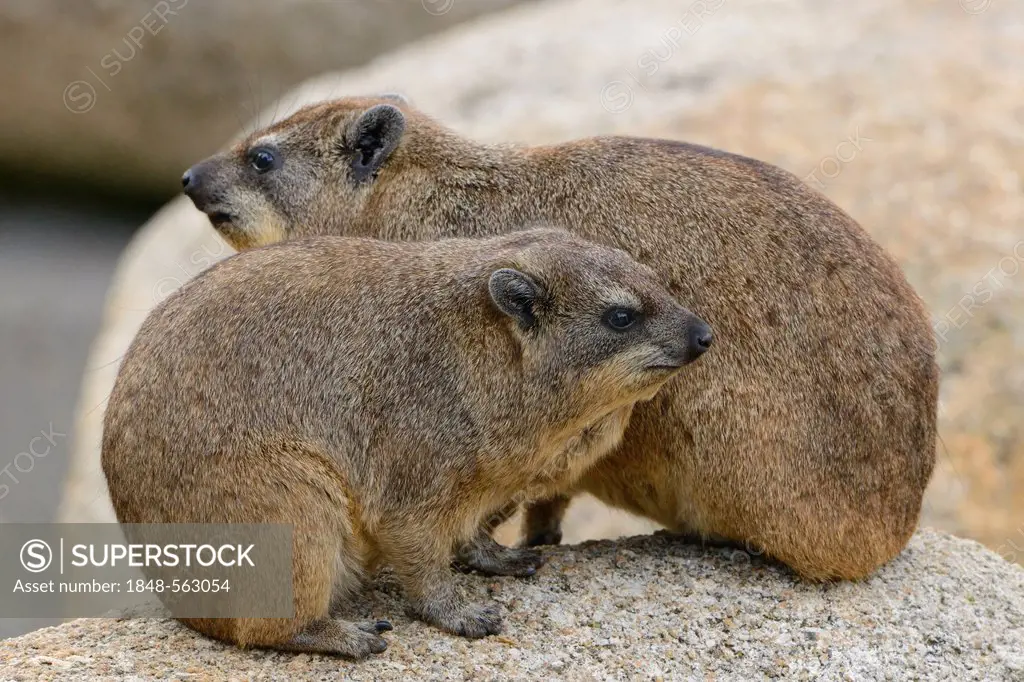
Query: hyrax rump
pixel 383 399
pixel 808 434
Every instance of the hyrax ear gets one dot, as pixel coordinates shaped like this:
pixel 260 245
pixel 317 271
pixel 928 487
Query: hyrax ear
pixel 516 295
pixel 374 136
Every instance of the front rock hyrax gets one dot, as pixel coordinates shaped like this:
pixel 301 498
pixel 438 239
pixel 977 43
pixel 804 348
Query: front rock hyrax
pixel 383 399
pixel 808 433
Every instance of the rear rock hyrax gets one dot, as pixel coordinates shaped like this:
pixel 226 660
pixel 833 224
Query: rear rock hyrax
pixel 383 399
pixel 808 433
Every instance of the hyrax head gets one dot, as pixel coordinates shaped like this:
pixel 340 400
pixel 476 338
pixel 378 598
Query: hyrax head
pixel 597 329
pixel 297 177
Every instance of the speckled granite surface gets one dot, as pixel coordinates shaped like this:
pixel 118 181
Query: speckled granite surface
pixel 644 608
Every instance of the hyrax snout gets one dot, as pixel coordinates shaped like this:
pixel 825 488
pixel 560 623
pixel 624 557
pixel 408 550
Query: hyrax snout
pixel 383 399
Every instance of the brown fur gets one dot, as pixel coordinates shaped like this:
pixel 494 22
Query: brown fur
pixel 379 399
pixel 809 433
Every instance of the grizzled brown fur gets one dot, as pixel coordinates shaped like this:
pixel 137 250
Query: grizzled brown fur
pixel 808 434
pixel 383 399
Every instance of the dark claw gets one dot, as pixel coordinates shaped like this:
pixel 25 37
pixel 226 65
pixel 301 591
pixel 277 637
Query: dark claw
pixel 376 628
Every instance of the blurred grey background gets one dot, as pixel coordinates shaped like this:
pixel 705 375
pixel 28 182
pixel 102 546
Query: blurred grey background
pixel 56 259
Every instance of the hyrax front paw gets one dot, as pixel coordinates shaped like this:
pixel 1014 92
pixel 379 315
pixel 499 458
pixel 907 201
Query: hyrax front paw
pixel 511 561
pixel 474 621
pixel 333 636
pixel 361 645
pixel 469 620
pixel 490 558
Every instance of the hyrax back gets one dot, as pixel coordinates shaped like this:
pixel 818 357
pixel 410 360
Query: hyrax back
pixel 809 432
pixel 382 399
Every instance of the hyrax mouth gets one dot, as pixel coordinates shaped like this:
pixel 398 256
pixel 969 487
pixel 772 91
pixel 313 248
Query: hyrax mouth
pixel 220 218
pixel 665 367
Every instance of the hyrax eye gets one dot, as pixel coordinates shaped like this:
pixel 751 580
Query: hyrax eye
pixel 263 160
pixel 621 319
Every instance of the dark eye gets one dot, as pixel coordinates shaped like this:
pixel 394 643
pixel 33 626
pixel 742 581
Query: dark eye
pixel 621 319
pixel 263 160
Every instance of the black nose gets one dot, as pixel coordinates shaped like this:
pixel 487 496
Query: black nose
pixel 700 339
pixel 703 339
pixel 196 187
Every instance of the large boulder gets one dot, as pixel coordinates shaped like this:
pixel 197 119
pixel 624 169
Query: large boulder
pixel 646 608
pixel 123 96
pixel 905 113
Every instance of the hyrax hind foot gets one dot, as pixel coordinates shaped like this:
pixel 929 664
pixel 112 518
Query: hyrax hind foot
pixel 487 556
pixel 548 536
pixel 542 523
pixel 332 636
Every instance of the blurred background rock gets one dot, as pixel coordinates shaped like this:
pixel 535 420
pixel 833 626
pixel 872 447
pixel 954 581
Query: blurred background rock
pixel 908 113
pixel 118 97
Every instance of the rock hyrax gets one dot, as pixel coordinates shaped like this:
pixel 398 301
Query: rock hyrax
pixel 383 398
pixel 809 433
